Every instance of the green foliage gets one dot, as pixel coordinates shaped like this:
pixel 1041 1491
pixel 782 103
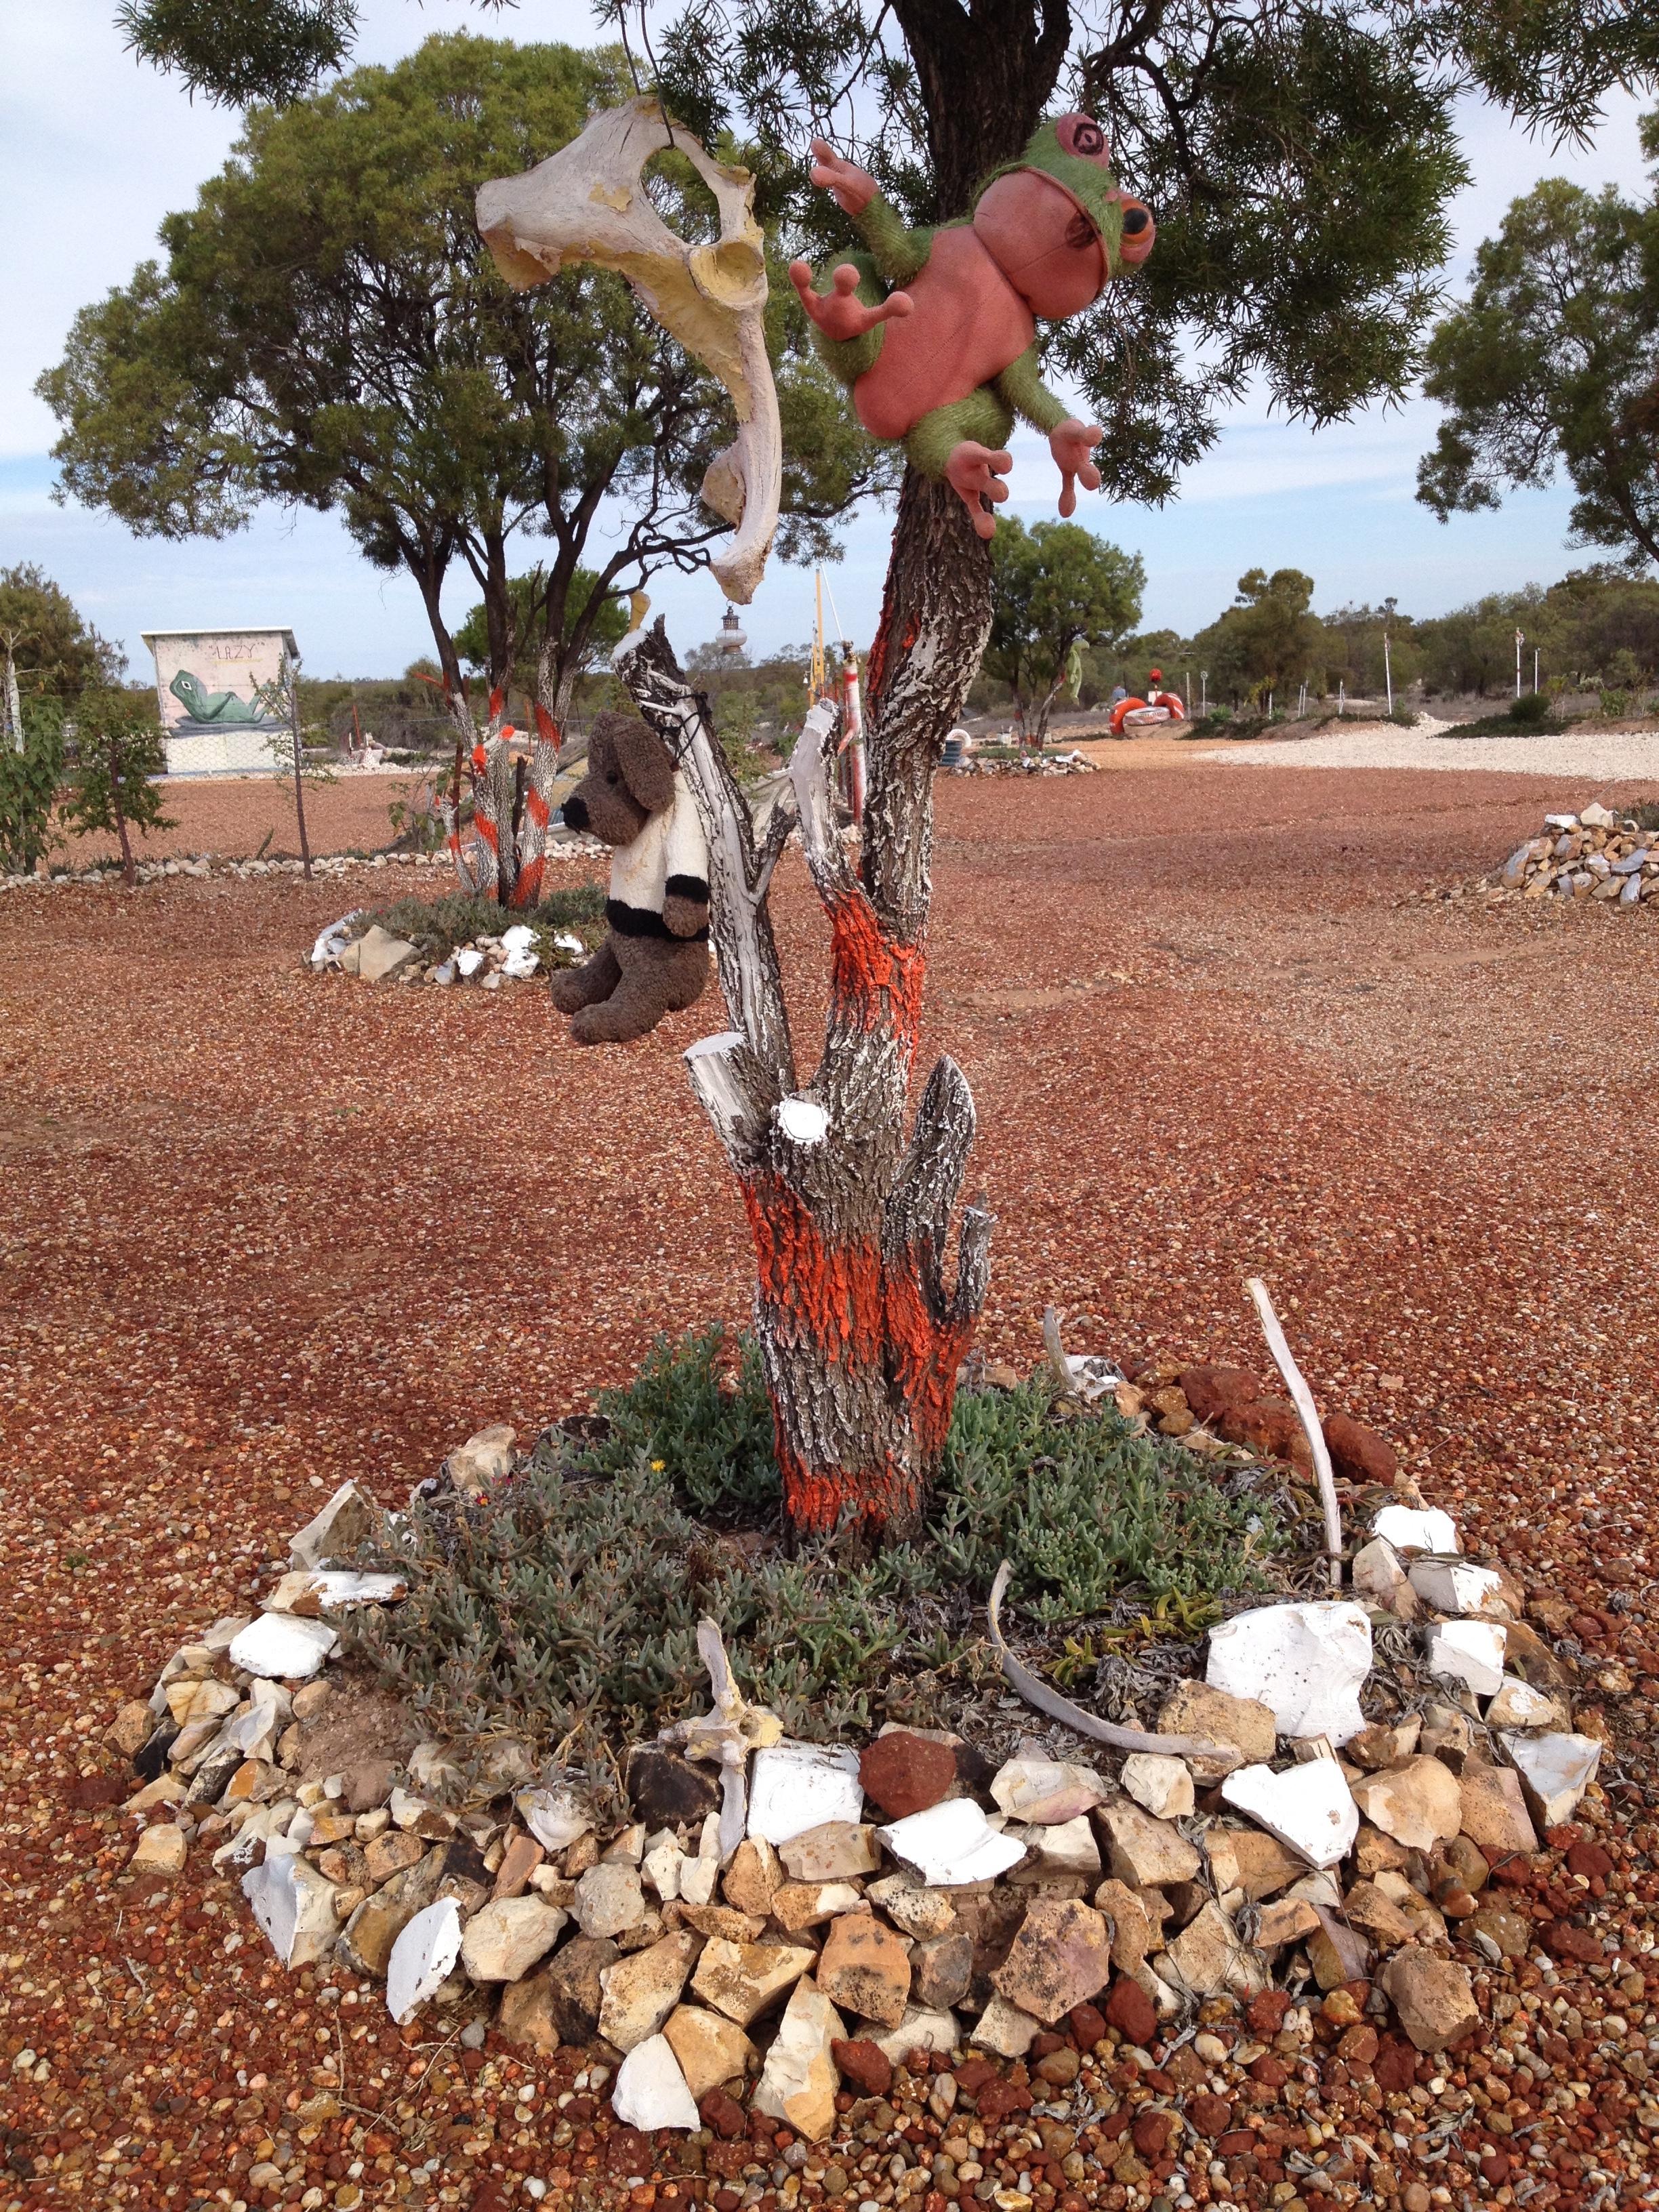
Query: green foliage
pixel 589 637
pixel 716 1442
pixel 437 925
pixel 117 752
pixel 568 1608
pixel 1553 363
pixel 1054 587
pixel 28 787
pixel 55 653
pixel 398 378
pixel 1267 640
pixel 238 51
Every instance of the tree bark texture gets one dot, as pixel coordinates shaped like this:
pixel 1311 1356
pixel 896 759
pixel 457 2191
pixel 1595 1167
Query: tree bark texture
pixel 860 1333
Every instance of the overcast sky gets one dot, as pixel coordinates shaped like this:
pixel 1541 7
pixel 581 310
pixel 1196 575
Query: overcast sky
pixel 94 150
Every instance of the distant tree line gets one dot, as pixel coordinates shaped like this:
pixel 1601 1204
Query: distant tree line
pixel 1596 632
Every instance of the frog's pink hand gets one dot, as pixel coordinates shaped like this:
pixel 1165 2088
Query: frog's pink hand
pixel 1070 446
pixel 851 187
pixel 974 470
pixel 838 315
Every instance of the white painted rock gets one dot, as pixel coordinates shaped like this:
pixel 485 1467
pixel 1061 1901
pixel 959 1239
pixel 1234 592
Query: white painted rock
pixel 1306 1664
pixel 504 1940
pixel 280 1644
pixel 421 1958
pixel 295 1906
pixel 555 1816
pixel 1409 1529
pixel 650 2090
pixel 308 1590
pixel 1470 1652
pixel 1555 1771
pixel 951 1843
pixel 796 1786
pixel 1380 1578
pixel 1163 1785
pixel 1518 1705
pixel 1454 1587
pixel 1309 1808
pixel 337 1531
pixel 518 939
pixel 1045 1791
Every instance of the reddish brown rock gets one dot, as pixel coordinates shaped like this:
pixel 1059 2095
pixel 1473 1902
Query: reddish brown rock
pixel 1087 2024
pixel 1210 2116
pixel 997 2100
pixel 1394 2066
pixel 1358 1454
pixel 1563 1940
pixel 1213 1392
pixel 864 2064
pixel 1272 1427
pixel 906 1773
pixel 1267 2011
pixel 1130 2010
pixel 723 2114
pixel 1152 2131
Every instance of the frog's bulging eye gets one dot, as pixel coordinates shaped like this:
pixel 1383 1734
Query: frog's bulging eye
pixel 1135 220
pixel 1082 136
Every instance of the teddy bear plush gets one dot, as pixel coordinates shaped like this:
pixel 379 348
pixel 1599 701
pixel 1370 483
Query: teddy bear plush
pixel 655 958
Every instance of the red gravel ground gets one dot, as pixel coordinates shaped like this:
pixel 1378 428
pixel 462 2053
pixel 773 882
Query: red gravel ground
pixel 234 816
pixel 261 1231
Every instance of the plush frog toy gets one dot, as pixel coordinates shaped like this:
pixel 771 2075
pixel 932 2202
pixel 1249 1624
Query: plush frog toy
pixel 945 360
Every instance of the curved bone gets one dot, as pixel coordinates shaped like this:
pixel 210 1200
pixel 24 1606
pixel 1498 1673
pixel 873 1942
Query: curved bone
pixel 587 203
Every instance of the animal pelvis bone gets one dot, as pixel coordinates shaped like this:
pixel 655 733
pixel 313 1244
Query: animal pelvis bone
pixel 588 203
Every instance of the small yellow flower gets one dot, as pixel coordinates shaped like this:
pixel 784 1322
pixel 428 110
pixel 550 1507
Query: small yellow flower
pixel 658 1465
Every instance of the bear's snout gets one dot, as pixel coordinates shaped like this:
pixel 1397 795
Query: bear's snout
pixel 576 812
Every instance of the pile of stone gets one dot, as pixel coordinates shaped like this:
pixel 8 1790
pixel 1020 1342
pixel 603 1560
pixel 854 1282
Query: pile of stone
pixel 807 1932
pixel 1592 854
pixel 206 867
pixel 487 964
pixel 1066 763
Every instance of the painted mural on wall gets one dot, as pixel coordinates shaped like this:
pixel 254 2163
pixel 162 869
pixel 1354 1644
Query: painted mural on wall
pixel 220 693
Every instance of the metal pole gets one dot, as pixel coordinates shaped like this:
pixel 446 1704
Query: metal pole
pixel 1519 641
pixel 1534 671
pixel 1388 670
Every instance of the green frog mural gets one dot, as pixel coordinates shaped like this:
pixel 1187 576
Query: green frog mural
pixel 216 708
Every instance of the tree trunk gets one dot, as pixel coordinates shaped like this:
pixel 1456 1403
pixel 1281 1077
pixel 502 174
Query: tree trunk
pixel 300 774
pixel 129 866
pixel 860 1334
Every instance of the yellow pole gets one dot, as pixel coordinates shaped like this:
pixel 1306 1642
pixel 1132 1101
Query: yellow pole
pixel 817 647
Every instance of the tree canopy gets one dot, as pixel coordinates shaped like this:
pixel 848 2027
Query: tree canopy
pixel 1553 363
pixel 328 328
pixel 56 652
pixel 1300 157
pixel 1055 586
pixel 1267 641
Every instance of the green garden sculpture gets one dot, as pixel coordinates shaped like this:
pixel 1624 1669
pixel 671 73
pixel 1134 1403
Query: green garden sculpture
pixel 935 331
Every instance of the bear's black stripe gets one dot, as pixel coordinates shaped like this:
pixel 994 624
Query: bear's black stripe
pixel 641 921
